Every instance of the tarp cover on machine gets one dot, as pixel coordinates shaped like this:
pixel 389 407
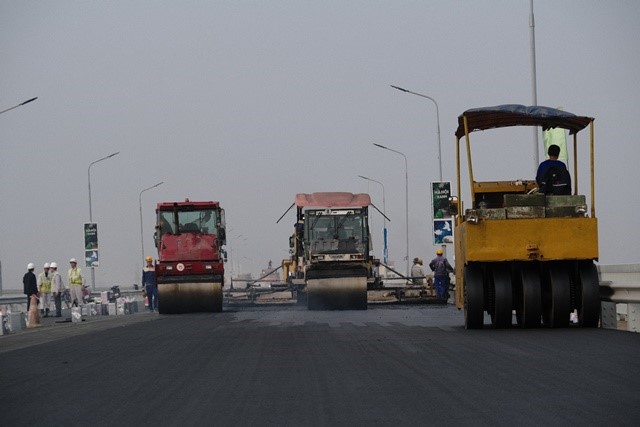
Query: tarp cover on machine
pixel 167 206
pixel 335 199
pixel 520 115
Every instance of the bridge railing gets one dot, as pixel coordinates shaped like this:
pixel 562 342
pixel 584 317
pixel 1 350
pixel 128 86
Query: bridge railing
pixel 620 296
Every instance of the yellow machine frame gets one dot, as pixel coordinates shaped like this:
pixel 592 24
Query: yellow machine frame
pixel 528 239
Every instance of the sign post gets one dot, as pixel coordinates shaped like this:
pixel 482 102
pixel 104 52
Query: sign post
pixel 91 244
pixel 442 218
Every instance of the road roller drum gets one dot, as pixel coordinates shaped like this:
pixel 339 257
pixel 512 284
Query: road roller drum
pixel 174 298
pixel 345 293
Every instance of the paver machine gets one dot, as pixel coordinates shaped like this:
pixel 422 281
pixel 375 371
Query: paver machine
pixel 330 263
pixel 517 248
pixel 190 268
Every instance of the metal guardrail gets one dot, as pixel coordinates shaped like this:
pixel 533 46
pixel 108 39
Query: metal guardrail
pixel 620 295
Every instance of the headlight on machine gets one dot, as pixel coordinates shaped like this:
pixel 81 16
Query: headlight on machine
pixel 169 267
pixel 208 267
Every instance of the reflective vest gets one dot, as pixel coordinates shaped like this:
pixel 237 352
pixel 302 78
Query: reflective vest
pixel 75 277
pixel 45 282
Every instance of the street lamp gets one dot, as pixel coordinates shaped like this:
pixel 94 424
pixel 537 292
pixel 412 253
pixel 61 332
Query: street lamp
pixel 384 219
pixel 406 184
pixel 437 122
pixel 19 105
pixel 93 272
pixel 140 204
pixel 444 246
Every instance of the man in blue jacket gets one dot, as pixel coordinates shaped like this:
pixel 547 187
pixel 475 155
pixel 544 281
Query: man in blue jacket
pixel 441 269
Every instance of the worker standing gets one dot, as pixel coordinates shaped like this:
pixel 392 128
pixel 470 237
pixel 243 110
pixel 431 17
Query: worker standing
pixel 57 288
pixel 76 282
pixel 150 284
pixel 29 283
pixel 441 269
pixel 417 272
pixel 44 287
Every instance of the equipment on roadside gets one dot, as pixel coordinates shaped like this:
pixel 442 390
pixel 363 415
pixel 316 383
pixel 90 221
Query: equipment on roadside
pixel 330 265
pixel 520 249
pixel 190 267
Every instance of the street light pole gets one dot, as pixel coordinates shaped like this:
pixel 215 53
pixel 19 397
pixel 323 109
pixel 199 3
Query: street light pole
pixel 437 122
pixel 406 184
pixel 384 219
pixel 444 246
pixel 140 204
pixel 93 273
pixel 19 105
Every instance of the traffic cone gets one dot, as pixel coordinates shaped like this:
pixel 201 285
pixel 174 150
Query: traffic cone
pixel 33 315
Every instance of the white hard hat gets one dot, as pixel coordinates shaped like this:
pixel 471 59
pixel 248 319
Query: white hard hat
pixel 53 265
pixel 46 265
pixel 73 260
pixel 30 266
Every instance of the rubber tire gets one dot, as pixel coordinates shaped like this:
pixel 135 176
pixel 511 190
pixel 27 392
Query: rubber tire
pixel 503 292
pixel 588 295
pixel 556 296
pixel 528 295
pixel 473 297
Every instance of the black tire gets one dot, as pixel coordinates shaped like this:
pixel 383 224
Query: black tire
pixel 588 295
pixel 473 297
pixel 556 296
pixel 503 307
pixel 528 295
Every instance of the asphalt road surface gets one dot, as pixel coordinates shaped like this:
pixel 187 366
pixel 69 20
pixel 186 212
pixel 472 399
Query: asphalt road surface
pixel 389 365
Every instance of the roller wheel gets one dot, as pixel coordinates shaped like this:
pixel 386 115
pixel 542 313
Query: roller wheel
pixel 556 296
pixel 337 293
pixel 588 295
pixel 473 297
pixel 501 281
pixel 528 295
pixel 174 298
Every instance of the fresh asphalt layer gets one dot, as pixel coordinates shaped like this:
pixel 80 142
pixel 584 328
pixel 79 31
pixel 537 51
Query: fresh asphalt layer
pixel 388 365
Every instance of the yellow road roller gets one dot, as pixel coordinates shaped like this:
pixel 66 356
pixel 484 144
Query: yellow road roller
pixel 521 245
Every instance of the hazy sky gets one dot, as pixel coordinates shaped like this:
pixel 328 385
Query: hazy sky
pixel 251 102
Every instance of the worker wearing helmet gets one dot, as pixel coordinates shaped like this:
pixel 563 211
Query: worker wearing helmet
pixel 57 288
pixel 44 287
pixel 29 283
pixel 150 284
pixel 441 269
pixel 76 282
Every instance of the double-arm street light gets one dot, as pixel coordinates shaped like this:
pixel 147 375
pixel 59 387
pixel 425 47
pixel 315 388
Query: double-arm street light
pixel 437 122
pixel 406 184
pixel 385 252
pixel 93 273
pixel 140 204
pixel 19 105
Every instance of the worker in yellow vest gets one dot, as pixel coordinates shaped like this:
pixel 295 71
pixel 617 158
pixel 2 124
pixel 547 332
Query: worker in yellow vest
pixel 76 282
pixel 44 287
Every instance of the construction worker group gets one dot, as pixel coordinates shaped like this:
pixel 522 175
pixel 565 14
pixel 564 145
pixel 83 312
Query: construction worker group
pixel 49 285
